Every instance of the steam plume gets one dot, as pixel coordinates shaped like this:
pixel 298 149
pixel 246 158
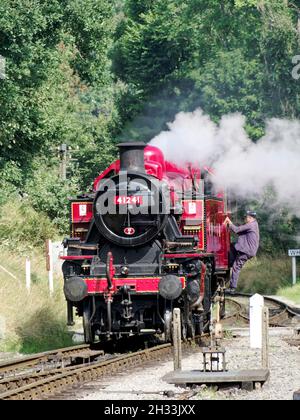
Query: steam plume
pixel 245 167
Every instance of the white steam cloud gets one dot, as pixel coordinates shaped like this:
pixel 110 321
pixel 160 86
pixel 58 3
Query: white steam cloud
pixel 245 167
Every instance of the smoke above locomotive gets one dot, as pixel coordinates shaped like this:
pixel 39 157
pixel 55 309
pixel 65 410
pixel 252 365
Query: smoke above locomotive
pixel 245 167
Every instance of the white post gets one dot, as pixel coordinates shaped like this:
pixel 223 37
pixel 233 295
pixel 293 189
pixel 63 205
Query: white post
pixel 28 273
pixel 256 311
pixel 294 270
pixel 50 265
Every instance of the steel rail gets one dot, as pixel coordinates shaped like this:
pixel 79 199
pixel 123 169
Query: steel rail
pixel 45 384
pixel 286 312
pixel 12 367
pixel 293 310
pixel 58 382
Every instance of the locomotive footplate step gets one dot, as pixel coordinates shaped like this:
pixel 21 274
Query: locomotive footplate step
pixel 246 378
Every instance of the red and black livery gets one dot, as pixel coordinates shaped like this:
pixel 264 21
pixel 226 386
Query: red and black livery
pixel 150 237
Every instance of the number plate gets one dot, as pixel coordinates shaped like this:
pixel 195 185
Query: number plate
pixel 124 200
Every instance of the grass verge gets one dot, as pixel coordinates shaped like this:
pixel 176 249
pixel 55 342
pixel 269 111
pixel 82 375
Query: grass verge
pixel 291 293
pixel 32 322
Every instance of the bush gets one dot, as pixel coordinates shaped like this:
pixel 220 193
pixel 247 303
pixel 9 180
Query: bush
pixel 43 331
pixel 48 194
pixel 265 275
pixel 21 227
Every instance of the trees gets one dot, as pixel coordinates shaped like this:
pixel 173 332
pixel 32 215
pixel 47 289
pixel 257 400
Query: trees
pixel 225 56
pixel 56 58
pixel 88 73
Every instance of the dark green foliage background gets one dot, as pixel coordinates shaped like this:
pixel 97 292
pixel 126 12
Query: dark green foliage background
pixel 90 73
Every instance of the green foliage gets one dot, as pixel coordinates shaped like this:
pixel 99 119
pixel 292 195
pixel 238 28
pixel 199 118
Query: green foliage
pixel 91 73
pixel 53 53
pixel 43 331
pixel 34 322
pixel 58 89
pixel 91 24
pixel 21 227
pixel 48 195
pixel 265 275
pixel 291 293
pixel 152 44
pixel 229 56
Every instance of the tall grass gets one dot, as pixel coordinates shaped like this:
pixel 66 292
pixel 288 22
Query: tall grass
pixel 291 293
pixel 34 321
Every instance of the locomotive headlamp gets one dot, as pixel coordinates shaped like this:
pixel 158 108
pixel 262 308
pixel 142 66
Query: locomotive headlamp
pixel 170 287
pixel 75 289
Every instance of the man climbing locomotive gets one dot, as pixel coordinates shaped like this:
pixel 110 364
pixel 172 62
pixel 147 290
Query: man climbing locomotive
pixel 150 237
pixel 245 248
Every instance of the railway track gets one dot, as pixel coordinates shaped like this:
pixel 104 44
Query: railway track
pixel 49 360
pixel 44 384
pixel 280 314
pixel 43 375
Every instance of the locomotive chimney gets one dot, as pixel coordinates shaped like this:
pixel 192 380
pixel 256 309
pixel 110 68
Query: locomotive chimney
pixel 132 157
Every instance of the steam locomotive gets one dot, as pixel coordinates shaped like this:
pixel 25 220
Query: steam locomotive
pixel 150 237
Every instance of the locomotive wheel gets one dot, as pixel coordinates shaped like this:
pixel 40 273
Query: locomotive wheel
pixel 89 334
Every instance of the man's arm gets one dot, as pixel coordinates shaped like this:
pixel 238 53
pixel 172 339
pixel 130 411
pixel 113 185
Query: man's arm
pixel 239 229
pixel 236 229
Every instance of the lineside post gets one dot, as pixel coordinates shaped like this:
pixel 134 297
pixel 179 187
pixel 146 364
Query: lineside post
pixel 177 339
pixel 294 270
pixel 256 311
pixel 265 338
pixel 49 259
pixel 294 253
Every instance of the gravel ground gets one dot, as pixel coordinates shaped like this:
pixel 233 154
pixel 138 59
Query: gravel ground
pixel 147 383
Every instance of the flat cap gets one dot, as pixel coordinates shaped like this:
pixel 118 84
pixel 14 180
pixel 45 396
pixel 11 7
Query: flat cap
pixel 251 214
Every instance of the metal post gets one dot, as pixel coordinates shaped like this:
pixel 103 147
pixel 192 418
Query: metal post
pixel 28 273
pixel 294 270
pixel 265 338
pixel 177 339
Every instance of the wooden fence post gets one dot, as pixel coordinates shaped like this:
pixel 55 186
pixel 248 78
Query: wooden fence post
pixel 49 259
pixel 177 339
pixel 265 338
